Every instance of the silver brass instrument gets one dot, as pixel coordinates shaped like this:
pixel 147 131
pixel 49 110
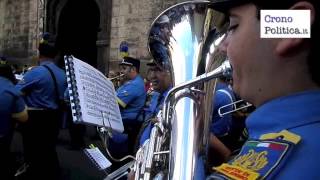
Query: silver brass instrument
pixel 236 107
pixel 178 141
pixel 116 77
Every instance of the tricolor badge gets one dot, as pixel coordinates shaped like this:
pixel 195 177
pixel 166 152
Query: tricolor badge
pixel 257 159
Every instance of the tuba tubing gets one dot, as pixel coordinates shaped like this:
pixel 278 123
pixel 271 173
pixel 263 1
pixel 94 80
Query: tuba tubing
pixel 224 70
pixel 154 144
pixel 235 108
pixel 179 138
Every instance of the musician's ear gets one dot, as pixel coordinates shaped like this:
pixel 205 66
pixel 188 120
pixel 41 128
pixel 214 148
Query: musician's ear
pixel 287 46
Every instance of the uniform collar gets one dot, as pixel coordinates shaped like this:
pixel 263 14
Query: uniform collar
pixel 45 62
pixel 134 79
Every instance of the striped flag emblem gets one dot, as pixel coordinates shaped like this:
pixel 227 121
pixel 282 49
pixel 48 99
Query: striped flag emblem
pixel 271 145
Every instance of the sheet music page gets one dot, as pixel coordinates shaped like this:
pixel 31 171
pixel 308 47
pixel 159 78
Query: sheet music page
pixel 97 97
pixel 98 157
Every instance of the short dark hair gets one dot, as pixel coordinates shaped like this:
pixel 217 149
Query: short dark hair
pixel 47 46
pixel 6 72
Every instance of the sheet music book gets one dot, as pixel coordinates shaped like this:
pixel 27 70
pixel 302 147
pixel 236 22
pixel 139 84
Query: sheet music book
pixel 92 95
pixel 96 156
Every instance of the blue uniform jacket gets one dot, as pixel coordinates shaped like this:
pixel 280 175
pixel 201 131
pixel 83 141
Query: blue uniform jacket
pixel 153 109
pixel 283 141
pixel 38 86
pixel 10 102
pixel 133 95
pixel 156 105
pixel 298 113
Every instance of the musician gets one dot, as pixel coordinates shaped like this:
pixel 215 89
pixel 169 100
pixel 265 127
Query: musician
pixel 131 97
pixel 42 93
pixel 227 127
pixel 280 78
pixel 12 107
pixel 221 125
pixel 161 83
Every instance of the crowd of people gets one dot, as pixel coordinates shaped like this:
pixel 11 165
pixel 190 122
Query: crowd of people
pixel 41 90
pixel 38 100
pixel 279 130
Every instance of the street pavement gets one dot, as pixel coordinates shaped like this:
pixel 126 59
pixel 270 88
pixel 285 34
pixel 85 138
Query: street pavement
pixel 75 165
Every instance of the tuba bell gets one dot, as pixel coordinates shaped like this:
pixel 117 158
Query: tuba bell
pixel 188 49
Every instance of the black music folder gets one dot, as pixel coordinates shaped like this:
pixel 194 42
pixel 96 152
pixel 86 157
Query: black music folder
pixel 92 96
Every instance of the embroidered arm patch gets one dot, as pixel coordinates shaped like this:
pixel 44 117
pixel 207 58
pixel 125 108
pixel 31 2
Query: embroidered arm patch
pixel 257 159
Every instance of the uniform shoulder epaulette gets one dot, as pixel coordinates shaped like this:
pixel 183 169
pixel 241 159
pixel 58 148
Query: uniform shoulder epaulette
pixel 284 135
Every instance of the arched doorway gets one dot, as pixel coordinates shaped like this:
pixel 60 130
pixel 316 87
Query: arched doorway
pixel 78 26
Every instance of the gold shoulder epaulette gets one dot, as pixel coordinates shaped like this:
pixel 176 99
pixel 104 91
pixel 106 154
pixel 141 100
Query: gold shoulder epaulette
pixel 284 134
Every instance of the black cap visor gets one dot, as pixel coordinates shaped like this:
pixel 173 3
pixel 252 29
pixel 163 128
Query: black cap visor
pixel 225 5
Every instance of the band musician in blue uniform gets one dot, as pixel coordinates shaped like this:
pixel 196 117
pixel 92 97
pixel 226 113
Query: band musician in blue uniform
pixel 227 129
pixel 131 97
pixel 221 125
pixel 280 77
pixel 43 89
pixel 161 83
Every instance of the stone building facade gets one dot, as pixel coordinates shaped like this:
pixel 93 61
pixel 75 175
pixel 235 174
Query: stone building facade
pixel 90 29
pixel 19 26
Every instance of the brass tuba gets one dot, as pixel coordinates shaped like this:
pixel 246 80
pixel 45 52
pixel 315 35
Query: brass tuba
pixel 184 40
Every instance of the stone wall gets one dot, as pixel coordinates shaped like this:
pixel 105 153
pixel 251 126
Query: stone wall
pixel 2 13
pixel 19 29
pixel 131 20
